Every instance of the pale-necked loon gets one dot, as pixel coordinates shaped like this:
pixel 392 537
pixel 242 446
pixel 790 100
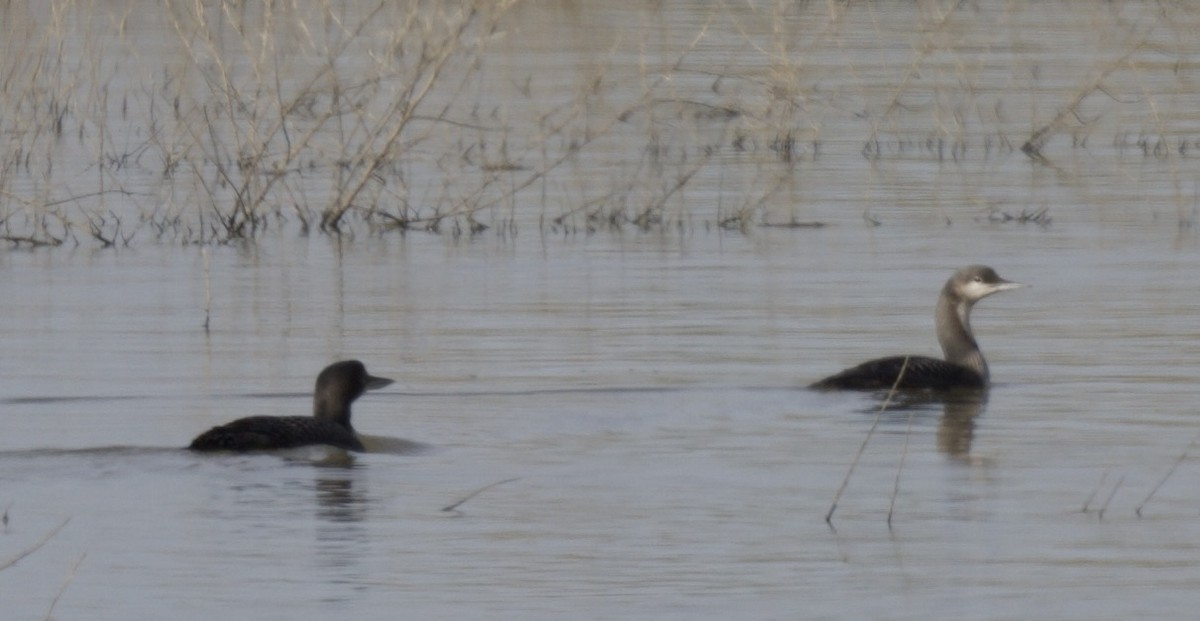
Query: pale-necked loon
pixel 337 387
pixel 964 366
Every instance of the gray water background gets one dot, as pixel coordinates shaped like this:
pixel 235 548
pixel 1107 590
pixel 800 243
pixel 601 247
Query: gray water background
pixel 645 388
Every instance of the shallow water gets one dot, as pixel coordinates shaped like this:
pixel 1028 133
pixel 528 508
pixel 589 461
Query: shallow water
pixel 637 401
pixel 645 394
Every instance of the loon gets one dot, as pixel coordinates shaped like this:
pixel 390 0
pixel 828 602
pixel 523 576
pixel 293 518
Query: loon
pixel 964 366
pixel 337 387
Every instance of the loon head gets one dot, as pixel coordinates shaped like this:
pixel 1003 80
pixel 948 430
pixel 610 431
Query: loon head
pixel 338 385
pixel 975 282
pixel 953 317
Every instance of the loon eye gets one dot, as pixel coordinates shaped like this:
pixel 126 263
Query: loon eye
pixel 978 279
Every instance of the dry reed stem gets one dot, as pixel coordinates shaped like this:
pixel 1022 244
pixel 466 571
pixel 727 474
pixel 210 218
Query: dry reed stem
pixel 913 71
pixel 344 127
pixel 453 507
pixel 66 583
pixel 1033 146
pixel 1112 494
pixel 863 447
pixel 1169 473
pixel 398 119
pixel 207 288
pixel 1092 496
pixel 899 466
pixel 245 155
pixel 34 548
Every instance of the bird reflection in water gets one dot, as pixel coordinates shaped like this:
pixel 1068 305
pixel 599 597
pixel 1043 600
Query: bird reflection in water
pixel 960 409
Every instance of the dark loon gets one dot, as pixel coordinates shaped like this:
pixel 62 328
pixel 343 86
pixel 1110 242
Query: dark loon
pixel 964 366
pixel 337 387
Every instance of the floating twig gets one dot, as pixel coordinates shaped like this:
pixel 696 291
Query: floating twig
pixel 453 508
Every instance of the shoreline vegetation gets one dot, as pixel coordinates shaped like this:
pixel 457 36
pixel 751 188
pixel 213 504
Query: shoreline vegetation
pixel 219 122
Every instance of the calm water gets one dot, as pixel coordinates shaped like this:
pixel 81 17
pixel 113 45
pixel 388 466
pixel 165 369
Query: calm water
pixel 640 395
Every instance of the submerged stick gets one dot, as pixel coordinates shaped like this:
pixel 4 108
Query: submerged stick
pixel 454 506
pixel 1092 496
pixel 66 583
pixel 1104 507
pixel 882 408
pixel 34 548
pixel 899 469
pixel 1171 471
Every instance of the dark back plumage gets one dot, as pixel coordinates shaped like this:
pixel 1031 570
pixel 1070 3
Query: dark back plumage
pixel 255 433
pixel 921 373
pixel 338 385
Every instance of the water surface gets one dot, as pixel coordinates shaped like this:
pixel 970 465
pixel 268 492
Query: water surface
pixel 640 392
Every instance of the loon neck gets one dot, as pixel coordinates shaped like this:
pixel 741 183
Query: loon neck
pixel 332 410
pixel 954 331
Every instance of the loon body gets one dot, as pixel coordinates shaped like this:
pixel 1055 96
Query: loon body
pixel 964 366
pixel 337 387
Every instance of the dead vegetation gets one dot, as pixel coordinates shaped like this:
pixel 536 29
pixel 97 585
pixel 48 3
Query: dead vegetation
pixel 201 123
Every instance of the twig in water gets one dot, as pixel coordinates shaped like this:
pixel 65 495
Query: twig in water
pixel 882 408
pixel 1092 496
pixel 34 548
pixel 1174 466
pixel 66 583
pixel 4 519
pixel 900 468
pixel 1104 507
pixel 454 507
